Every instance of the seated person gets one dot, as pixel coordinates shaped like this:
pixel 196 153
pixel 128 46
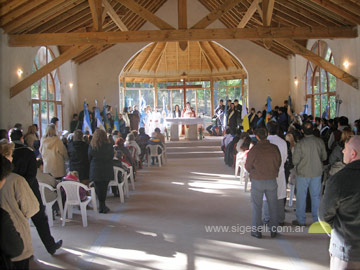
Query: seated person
pixel 130 142
pixel 159 135
pixel 228 137
pixel 215 129
pixel 142 140
pixel 154 140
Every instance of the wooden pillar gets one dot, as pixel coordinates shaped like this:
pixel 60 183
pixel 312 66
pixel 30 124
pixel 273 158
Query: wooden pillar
pixel 212 96
pixel 184 89
pixel 156 94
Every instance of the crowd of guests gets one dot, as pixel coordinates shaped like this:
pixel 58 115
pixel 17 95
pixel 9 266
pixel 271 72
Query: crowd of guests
pixel 27 159
pixel 320 156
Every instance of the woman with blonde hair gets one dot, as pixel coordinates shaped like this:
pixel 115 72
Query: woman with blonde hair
pixel 17 198
pixel 53 152
pixel 101 154
pixel 30 137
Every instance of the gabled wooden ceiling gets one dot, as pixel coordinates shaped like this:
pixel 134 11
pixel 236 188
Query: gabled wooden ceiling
pixel 84 28
pixel 165 61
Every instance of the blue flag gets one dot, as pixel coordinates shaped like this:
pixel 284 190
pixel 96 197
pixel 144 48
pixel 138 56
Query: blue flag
pixel 86 124
pixel 164 107
pixel 268 109
pixel 116 121
pixel 142 111
pixel 99 122
pixel 326 112
pixel 306 107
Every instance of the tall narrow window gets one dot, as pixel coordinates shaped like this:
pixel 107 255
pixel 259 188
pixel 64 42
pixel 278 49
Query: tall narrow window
pixel 320 85
pixel 45 93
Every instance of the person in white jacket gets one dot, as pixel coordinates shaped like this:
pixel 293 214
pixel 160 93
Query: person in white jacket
pixel 130 141
pixel 273 128
pixel 53 152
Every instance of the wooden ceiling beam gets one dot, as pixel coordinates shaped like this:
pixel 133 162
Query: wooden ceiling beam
pixel 182 20
pixel 208 57
pixel 190 76
pixel 355 19
pixel 145 14
pixel 249 13
pixel 181 35
pixel 158 57
pixel 31 15
pixel 211 45
pixel 55 63
pixel 319 61
pixel 147 57
pixel 45 16
pixel 215 14
pixel 267 9
pixel 113 15
pixel 18 12
pixel 96 14
pixel 10 5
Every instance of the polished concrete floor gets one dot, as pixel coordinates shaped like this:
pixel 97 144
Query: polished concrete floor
pixel 166 224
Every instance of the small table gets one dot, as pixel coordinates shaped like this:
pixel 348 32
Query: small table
pixel 190 132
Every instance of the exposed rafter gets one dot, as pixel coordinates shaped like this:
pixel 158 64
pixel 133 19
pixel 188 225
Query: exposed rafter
pixel 96 14
pixel 321 62
pixel 249 13
pixel 113 15
pixel 182 20
pixel 181 35
pixel 43 71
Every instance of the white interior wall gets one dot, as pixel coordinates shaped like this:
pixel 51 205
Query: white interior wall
pixel 268 73
pixel 18 109
pixel 343 49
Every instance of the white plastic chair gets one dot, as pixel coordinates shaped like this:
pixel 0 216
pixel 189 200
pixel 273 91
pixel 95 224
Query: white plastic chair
pixel 164 154
pixel 48 205
pixel 152 151
pixel 115 182
pixel 130 176
pixel 72 191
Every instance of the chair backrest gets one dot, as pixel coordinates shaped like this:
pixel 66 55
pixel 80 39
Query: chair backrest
pixel 42 187
pixel 132 150
pixel 72 190
pixel 116 174
pixel 153 148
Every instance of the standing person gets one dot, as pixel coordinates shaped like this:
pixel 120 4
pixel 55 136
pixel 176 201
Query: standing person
pixel 309 154
pixel 30 137
pixel 53 152
pixel 232 119
pixel 273 129
pixel 101 153
pixel 263 163
pixel 134 125
pixel 340 206
pixel 74 124
pixel 11 244
pixel 177 112
pixel 253 118
pixel 25 165
pixel 78 156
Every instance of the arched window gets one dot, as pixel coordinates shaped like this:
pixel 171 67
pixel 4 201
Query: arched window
pixel 320 85
pixel 45 93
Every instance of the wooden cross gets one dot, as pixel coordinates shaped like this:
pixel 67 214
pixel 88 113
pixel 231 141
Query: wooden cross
pixel 184 87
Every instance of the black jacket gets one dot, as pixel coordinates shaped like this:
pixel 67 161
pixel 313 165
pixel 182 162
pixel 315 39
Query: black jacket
pixel 78 158
pixel 101 164
pixel 339 207
pixel 11 244
pixel 24 161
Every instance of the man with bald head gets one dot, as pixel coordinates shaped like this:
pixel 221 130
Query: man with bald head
pixel 340 208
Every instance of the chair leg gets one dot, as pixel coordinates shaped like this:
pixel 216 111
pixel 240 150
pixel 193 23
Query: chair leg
pixel 83 214
pixel 291 198
pixel 126 183
pixel 49 214
pixel 149 160
pixel 246 177
pixel 64 214
pixel 70 211
pixel 159 160
pixel 121 192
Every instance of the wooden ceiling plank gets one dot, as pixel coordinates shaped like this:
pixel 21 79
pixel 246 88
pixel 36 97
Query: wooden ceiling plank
pixel 31 15
pixel 60 18
pixel 208 57
pixel 146 14
pixel 55 63
pixel 46 16
pixel 211 45
pixel 321 62
pixel 181 35
pixel 249 13
pixel 283 10
pixel 215 14
pixel 147 57
pixel 84 13
pixel 267 8
pixel 20 11
pixel 355 19
pixel 96 14
pixel 154 64
pixel 182 20
pixel 10 5
pixel 113 15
